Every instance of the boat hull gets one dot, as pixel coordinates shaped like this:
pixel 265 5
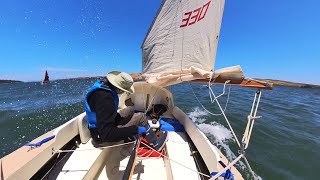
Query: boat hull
pixel 88 162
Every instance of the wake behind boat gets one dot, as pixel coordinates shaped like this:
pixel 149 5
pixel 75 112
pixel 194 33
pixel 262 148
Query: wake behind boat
pixel 179 47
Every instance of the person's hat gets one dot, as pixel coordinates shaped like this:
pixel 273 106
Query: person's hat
pixel 121 80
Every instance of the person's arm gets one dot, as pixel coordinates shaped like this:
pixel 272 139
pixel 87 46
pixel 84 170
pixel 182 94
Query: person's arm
pixel 122 120
pixel 102 103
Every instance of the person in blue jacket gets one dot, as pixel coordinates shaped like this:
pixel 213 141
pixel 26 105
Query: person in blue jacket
pixel 101 105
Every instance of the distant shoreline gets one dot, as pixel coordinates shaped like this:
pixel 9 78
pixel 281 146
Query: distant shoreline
pixel 9 81
pixel 288 83
pixel 138 77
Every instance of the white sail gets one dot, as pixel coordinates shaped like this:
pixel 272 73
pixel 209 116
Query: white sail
pixel 182 42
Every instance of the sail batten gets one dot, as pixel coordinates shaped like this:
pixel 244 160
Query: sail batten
pixel 182 40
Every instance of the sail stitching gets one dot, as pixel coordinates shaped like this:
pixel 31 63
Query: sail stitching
pixel 167 35
pixel 182 53
pixel 174 39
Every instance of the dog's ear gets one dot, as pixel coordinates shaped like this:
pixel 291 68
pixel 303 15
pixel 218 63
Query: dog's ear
pixel 160 109
pixel 157 110
pixel 129 102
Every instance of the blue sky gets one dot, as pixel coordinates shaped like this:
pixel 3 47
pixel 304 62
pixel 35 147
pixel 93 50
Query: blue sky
pixel 269 39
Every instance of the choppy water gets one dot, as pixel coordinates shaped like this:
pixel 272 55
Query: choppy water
pixel 285 142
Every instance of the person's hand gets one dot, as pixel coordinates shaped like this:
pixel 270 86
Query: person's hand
pixel 150 135
pixel 142 131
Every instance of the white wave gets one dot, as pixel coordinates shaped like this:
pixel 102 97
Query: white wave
pixel 219 134
pixel 197 115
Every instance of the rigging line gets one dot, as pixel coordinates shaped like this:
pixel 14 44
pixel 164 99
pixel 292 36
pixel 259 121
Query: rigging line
pixel 144 99
pixel 223 91
pixel 55 163
pixel 145 113
pixel 222 111
pixel 225 117
pixel 211 91
pixel 228 167
pixel 225 107
pixel 151 101
pixel 176 161
pixel 144 154
pixel 227 98
pixel 106 147
pixel 249 167
pixel 224 86
pixel 252 118
pixel 246 161
pixel 203 105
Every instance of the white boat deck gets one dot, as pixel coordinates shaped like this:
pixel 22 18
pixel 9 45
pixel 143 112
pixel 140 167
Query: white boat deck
pixel 111 163
pixel 80 162
pixel 179 151
pixel 151 168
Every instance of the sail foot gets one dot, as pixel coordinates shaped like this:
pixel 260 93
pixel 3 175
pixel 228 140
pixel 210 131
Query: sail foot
pixel 175 77
pixel 192 74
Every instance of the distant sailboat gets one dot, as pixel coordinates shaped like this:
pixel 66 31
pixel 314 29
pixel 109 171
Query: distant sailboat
pixel 46 79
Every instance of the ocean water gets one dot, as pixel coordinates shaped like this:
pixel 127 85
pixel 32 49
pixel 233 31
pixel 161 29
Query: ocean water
pixel 284 145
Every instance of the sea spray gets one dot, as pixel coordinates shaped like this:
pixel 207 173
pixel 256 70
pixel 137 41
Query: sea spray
pixel 217 133
pixel 198 115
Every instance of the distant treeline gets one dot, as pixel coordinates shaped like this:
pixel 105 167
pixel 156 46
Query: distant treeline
pixel 138 77
pixel 287 83
pixel 9 81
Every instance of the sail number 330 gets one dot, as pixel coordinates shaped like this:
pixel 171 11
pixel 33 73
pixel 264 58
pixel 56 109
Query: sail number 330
pixel 194 16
